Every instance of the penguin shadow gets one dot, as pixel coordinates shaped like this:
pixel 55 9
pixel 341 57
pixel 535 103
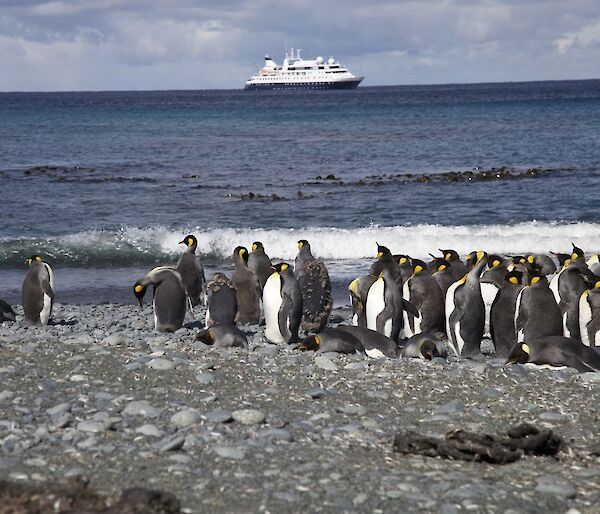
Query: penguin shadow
pixel 62 322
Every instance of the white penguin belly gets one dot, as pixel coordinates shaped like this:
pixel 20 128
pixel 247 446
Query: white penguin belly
pixel 155 316
pixel 207 317
pixel 375 303
pixel 554 287
pixel 407 332
pixel 585 316
pixel 355 320
pixel 387 328
pixel 272 304
pixel 566 331
pixel 375 353
pixel 455 345
pixel 47 305
pixel 489 293
pixel 520 333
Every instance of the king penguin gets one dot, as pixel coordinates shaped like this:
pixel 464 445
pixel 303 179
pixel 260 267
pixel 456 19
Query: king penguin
pixel 315 286
pixel 376 345
pixel 37 293
pixel 6 312
pixel 593 264
pixel 358 290
pixel 543 262
pixel 191 270
pixel 536 312
pixel 443 274
pixel 259 262
pixel 385 261
pixel 221 301
pixel 282 303
pixel 458 267
pixel 247 288
pixel 502 314
pixel 424 346
pixel 491 282
pixel 465 311
pixel 567 286
pixel 589 314
pixel 405 266
pixel 332 340
pixel 169 297
pixel 223 336
pixel 424 293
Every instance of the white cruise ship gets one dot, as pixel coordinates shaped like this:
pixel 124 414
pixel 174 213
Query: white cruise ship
pixel 298 73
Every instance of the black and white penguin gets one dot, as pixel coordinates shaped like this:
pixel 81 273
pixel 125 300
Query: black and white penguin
pixel 358 290
pixel 577 254
pixel 458 266
pixel 375 345
pixel 221 301
pixel 465 311
pixel 536 312
pixel 502 314
pixel 424 293
pixel 191 270
pixel 567 286
pixel 384 306
pixel 561 258
pixel 543 262
pixel 556 351
pixel 37 292
pixel 425 346
pixel 593 263
pixel 443 274
pixel 169 297
pixel 223 336
pixel 6 312
pixel 491 282
pixel 282 304
pixel 259 262
pixel 247 288
pixel 315 286
pixel 385 261
pixel 404 265
pixel 589 314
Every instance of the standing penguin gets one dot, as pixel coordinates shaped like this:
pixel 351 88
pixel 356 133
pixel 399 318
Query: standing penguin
pixel 543 262
pixel 358 290
pixel 536 312
pixel 259 262
pixel 405 266
pixel 458 267
pixel 282 303
pixel 169 297
pixel 502 314
pixel 465 311
pixel 385 261
pixel 567 287
pixel 424 293
pixel 593 264
pixel 37 293
pixel 589 314
pixel 384 306
pixel 315 286
pixel 577 254
pixel 491 282
pixel 443 274
pixel 247 288
pixel 221 301
pixel 191 270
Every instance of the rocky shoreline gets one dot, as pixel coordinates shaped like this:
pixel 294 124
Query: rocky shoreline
pixel 101 395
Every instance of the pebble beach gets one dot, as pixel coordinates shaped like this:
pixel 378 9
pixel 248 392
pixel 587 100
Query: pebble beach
pixel 100 395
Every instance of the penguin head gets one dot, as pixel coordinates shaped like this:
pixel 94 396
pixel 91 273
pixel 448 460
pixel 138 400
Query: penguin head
pixel 471 259
pixel 577 253
pixel 206 336
pixel 303 243
pixel 439 263
pixel 402 260
pixel 428 349
pixel 256 245
pixel 190 242
pixel 240 252
pixel 531 259
pixel 562 257
pixel 418 267
pixel 535 277
pixel 33 258
pixel 383 252
pixel 280 267
pixel 518 259
pixel 591 281
pixel 494 261
pixel 514 277
pixel 519 354
pixel 139 290
pixel 310 343
pixel 450 255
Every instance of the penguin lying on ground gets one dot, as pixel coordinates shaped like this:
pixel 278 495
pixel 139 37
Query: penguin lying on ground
pixel 282 303
pixel 332 340
pixel 259 262
pixel 221 301
pixel 223 336
pixel 37 293
pixel 169 297
pixel 424 346
pixel 315 287
pixel 191 270
pixel 556 351
pixel 6 312
pixel 375 345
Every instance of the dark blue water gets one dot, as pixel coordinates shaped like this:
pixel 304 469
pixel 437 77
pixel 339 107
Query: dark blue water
pixel 117 178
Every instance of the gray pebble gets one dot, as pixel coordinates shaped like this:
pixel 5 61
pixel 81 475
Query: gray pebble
pixel 219 416
pixel 149 429
pixel 248 416
pixel 325 363
pixel 185 418
pixel 205 378
pixel 171 443
pixel 228 452
pixel 141 408
pixel 160 364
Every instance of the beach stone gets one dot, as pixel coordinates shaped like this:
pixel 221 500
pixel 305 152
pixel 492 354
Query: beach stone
pixel 141 408
pixel 59 409
pixel 589 378
pixel 77 378
pixel 93 426
pixel 276 434
pixel 248 416
pixel 317 393
pixel 325 363
pixel 219 416
pixel 556 486
pixel 358 410
pixel 117 339
pixel 149 429
pixel 228 452
pixel 453 407
pixel 553 416
pixel 205 378
pixel 161 364
pixel 268 351
pixel 169 444
pixel 185 418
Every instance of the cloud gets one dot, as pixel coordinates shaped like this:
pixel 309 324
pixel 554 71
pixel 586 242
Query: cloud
pixel 586 36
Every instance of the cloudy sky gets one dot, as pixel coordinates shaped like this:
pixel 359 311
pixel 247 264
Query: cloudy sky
pixel 48 45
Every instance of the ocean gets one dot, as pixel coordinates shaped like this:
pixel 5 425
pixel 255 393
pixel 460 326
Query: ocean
pixel 105 184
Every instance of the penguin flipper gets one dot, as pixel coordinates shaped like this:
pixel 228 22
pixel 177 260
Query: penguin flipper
pixel 283 317
pixel 386 314
pixel 410 308
pixel 522 319
pixel 455 316
pixel 592 329
pixel 563 306
pixel 47 288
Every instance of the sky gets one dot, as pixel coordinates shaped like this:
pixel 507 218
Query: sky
pixel 67 45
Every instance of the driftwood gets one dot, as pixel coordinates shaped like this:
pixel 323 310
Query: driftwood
pixel 462 445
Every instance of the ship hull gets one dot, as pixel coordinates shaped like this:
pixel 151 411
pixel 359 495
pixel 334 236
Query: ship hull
pixel 346 84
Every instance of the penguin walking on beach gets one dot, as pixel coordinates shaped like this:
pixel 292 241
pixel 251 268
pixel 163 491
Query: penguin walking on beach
pixel 247 288
pixel 37 292
pixel 589 314
pixel 282 304
pixel 567 287
pixel 491 282
pixel 358 290
pixel 315 286
pixel 169 297
pixel 536 312
pixel 221 301
pixel 259 262
pixel 6 312
pixel 424 293
pixel 502 314
pixel 465 311
pixel 385 261
pixel 191 270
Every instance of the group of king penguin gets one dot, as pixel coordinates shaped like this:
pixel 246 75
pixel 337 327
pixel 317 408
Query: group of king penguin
pixel 536 308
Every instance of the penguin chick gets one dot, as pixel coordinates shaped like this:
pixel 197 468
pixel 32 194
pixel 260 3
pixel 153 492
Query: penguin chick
pixel 247 288
pixel 425 346
pixel 221 301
